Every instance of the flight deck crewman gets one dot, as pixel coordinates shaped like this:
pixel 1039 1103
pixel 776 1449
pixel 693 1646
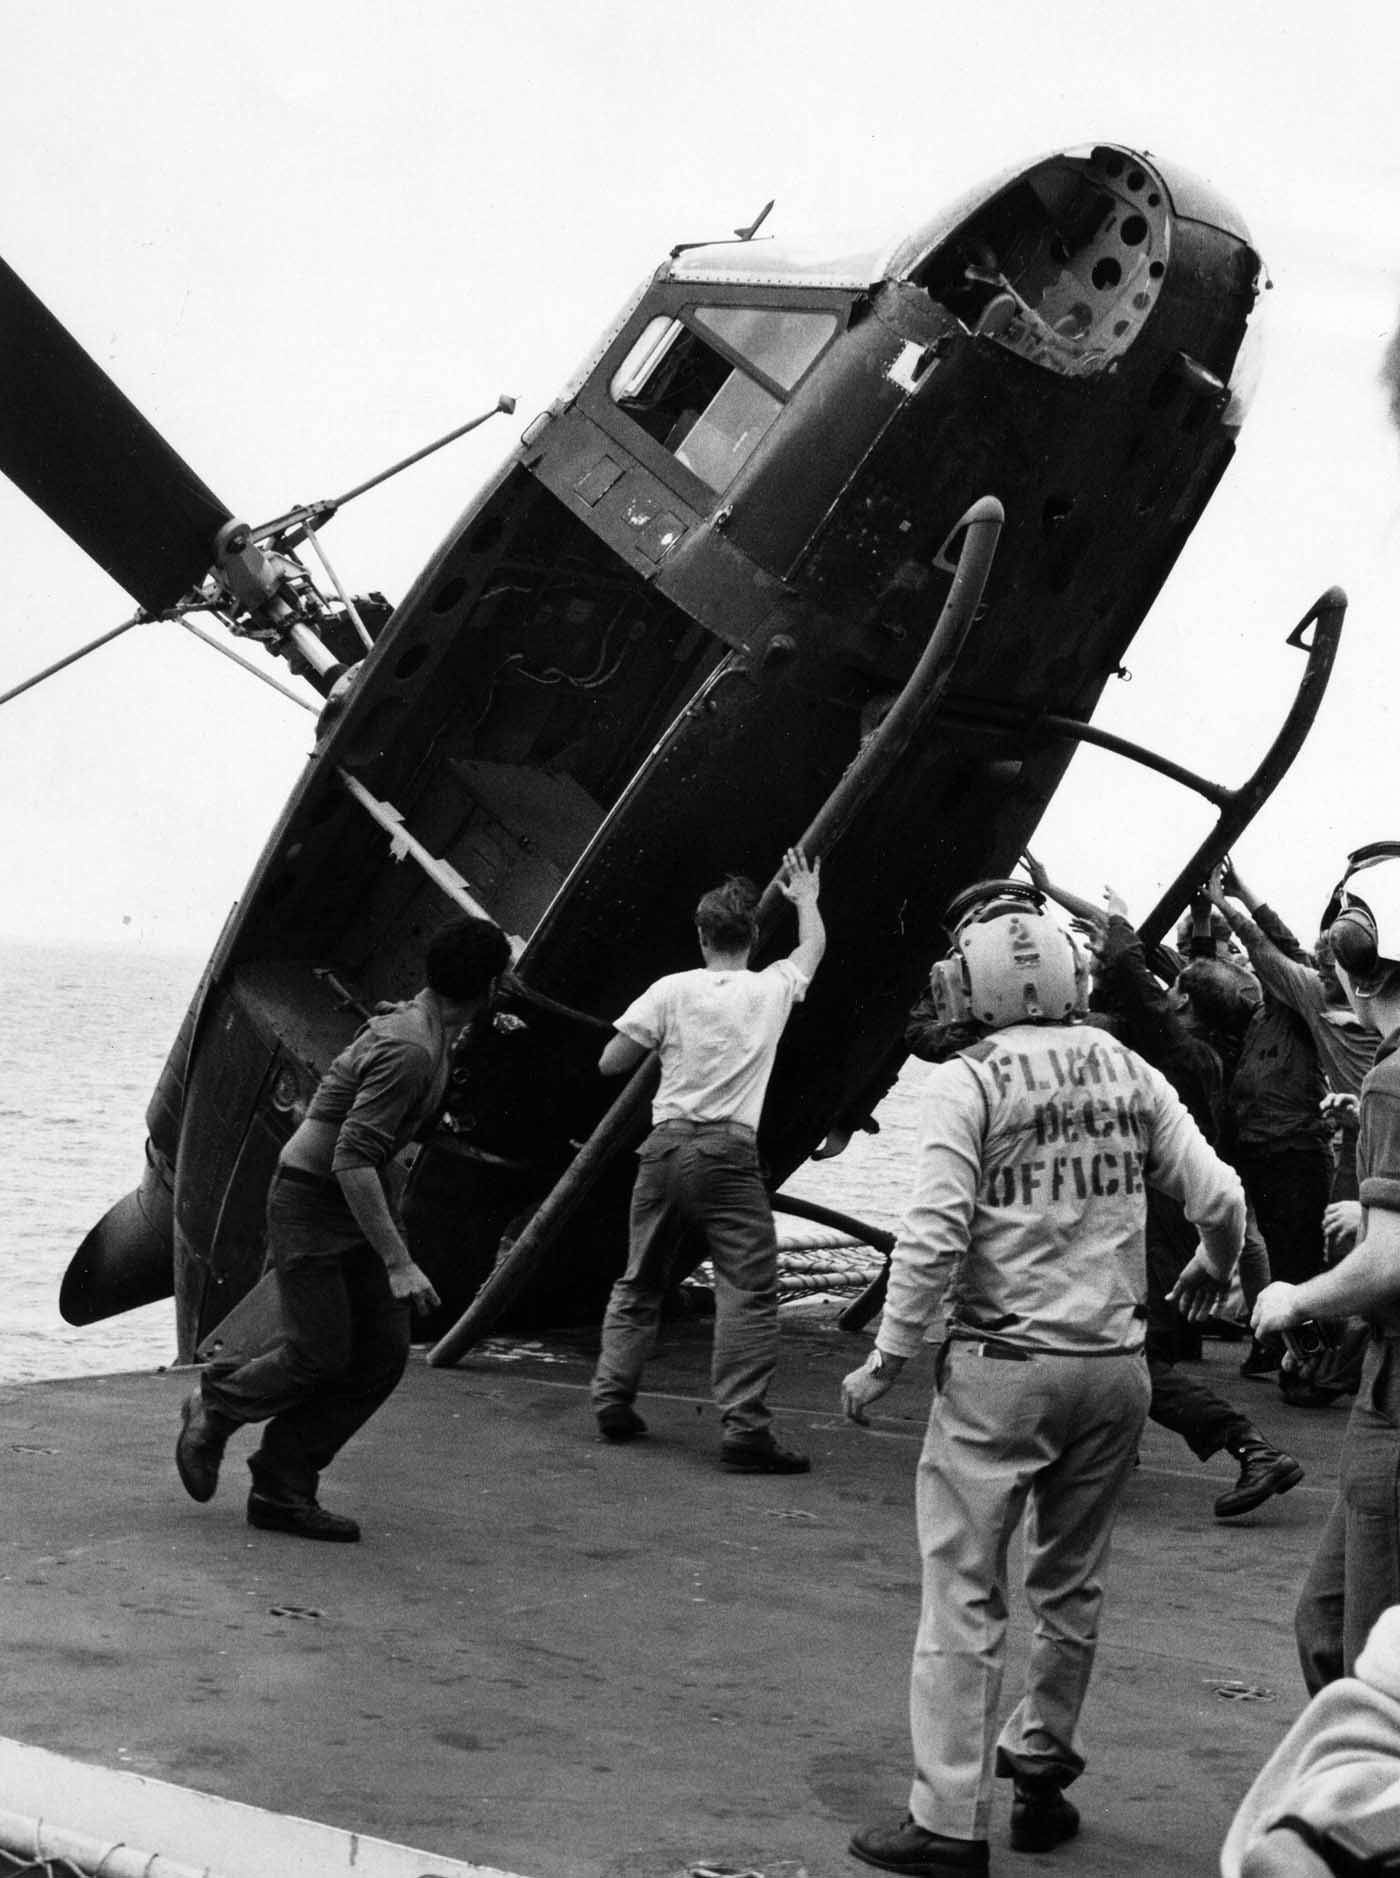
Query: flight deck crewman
pixel 1026 1230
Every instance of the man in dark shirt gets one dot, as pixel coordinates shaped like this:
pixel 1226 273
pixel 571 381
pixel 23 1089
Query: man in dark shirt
pixel 1279 1140
pixel 1345 1047
pixel 1357 1566
pixel 1152 1023
pixel 1302 1041
pixel 346 1281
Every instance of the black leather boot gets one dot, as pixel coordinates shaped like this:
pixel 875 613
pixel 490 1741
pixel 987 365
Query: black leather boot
pixel 1264 1471
pixel 1041 1816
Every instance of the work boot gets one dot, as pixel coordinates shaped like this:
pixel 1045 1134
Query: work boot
pixel 200 1447
pixel 1264 1471
pixel 1041 1816
pixel 620 1422
pixel 767 1455
pixel 909 1847
pixel 304 1519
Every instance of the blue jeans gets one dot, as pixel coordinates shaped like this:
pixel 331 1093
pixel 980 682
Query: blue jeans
pixel 343 1350
pixel 699 1180
pixel 1355 1574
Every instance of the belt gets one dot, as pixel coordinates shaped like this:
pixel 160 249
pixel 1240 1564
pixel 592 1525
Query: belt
pixel 995 1352
pixel 1011 1353
pixel 682 1124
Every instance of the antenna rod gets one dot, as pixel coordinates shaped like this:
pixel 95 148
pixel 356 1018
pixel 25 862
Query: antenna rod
pixel 502 403
pixel 322 511
pixel 17 690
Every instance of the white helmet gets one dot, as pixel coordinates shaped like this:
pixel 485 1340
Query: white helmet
pixel 1011 962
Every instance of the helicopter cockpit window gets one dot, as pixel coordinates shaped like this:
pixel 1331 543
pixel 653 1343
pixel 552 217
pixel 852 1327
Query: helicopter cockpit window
pixel 700 403
pixel 781 345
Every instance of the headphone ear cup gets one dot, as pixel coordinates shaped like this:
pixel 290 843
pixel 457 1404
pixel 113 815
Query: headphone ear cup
pixel 948 983
pixel 1353 942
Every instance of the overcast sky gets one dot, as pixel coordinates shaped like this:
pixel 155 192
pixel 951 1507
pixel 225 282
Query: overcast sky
pixel 308 238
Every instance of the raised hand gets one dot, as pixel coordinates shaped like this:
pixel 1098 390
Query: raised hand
pixel 798 881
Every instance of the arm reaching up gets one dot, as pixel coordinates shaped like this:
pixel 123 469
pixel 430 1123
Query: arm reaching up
pixel 801 884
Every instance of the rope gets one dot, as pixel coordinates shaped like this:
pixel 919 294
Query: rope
pixel 803 1271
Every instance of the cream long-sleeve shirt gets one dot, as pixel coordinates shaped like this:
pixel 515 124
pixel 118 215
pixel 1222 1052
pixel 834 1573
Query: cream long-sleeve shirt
pixel 1028 1209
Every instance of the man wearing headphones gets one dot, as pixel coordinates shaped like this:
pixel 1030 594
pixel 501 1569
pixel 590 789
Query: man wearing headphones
pixel 1356 1572
pixel 1024 1245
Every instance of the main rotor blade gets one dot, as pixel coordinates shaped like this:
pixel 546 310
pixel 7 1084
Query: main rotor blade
pixel 80 449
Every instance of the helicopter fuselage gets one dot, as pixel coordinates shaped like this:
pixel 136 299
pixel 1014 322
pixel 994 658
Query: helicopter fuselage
pixel 652 647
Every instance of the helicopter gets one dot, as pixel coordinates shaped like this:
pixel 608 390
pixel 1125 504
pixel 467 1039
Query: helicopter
pixel 830 550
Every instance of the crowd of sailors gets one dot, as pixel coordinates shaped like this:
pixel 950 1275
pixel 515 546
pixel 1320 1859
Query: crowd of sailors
pixel 1120 1143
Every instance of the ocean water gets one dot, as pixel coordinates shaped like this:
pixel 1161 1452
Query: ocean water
pixel 870 1179
pixel 87 1030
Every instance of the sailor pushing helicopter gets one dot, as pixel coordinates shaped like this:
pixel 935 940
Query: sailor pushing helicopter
pixel 1026 1233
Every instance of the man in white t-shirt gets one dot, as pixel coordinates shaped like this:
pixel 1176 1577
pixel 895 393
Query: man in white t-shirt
pixel 716 1030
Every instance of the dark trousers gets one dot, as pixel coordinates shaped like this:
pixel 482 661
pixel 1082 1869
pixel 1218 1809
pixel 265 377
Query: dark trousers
pixel 1288 1189
pixel 344 1343
pixel 1204 1420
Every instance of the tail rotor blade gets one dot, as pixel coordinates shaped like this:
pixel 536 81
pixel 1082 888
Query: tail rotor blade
pixel 80 449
